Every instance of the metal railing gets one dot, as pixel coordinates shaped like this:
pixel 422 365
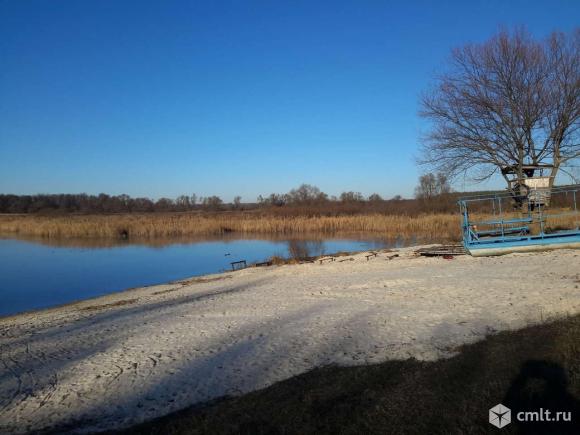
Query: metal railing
pixel 504 216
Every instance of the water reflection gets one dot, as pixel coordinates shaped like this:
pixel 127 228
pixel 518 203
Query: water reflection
pixel 41 273
pixel 314 240
pixel 303 249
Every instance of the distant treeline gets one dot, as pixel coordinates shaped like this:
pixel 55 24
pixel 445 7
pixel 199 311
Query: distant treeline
pixel 432 194
pixel 103 203
pixel 304 200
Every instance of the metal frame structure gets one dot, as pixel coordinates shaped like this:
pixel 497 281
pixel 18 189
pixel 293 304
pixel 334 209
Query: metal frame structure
pixel 503 234
pixel 534 181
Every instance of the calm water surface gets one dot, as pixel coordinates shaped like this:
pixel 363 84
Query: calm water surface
pixel 37 275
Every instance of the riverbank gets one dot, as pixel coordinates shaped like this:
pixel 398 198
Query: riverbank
pixel 159 225
pixel 128 357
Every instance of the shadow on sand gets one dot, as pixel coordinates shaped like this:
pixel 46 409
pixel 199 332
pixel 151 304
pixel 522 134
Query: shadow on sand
pixel 539 393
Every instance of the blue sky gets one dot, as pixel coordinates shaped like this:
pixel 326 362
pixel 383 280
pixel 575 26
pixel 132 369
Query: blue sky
pixel 160 98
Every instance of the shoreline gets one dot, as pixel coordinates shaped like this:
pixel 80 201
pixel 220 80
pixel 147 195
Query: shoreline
pixel 82 302
pixel 127 357
pixel 278 261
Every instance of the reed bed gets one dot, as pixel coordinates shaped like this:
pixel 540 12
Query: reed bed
pixel 150 226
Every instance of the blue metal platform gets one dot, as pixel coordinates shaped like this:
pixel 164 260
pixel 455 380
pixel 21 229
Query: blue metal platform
pixel 538 228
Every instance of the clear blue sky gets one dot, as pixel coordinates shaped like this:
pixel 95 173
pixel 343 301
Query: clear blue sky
pixel 160 98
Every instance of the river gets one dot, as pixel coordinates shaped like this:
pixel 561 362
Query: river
pixel 37 274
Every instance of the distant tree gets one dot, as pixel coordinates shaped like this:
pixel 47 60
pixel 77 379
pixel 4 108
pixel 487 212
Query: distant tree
pixel 193 199
pixel 306 194
pixel 125 202
pixel 351 197
pixel 426 188
pixel 237 202
pixel 183 202
pixel 164 204
pixel 277 200
pixel 397 198
pixel 273 199
pixel 431 185
pixel 375 197
pixel 102 202
pixel 143 204
pixel 443 186
pixel 212 202
pixel 508 102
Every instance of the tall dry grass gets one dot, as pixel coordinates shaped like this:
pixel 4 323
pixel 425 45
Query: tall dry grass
pixel 144 226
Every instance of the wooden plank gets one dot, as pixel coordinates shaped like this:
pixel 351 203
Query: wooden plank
pixel 263 264
pixel 436 251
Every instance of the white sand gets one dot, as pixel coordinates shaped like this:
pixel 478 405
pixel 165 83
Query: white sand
pixel 109 367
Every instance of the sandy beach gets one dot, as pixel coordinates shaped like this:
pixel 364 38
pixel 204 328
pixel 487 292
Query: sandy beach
pixel 127 357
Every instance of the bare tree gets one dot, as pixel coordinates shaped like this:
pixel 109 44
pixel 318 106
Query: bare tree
pixel 183 202
pixel 164 204
pixel 351 197
pixel 306 194
pixel 212 202
pixel 431 186
pixel 277 199
pixel 510 101
pixel 237 202
pixel 443 186
pixel 427 187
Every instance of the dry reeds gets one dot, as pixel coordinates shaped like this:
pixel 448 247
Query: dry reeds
pixel 150 226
